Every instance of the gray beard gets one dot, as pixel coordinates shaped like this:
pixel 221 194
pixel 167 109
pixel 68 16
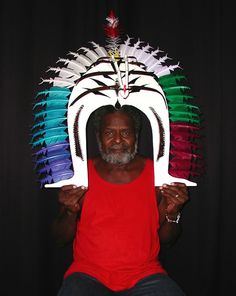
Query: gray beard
pixel 118 158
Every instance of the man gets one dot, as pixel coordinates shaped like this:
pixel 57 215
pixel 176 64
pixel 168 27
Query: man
pixel 119 221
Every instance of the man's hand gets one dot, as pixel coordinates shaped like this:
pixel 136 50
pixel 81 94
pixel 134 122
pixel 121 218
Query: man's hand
pixel 71 197
pixel 174 196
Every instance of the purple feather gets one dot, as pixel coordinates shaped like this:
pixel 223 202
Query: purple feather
pixel 56 166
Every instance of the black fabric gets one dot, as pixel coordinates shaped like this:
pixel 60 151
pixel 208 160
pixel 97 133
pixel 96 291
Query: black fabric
pixel 199 34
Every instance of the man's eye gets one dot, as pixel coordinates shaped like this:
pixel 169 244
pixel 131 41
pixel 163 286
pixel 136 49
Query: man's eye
pixel 125 133
pixel 108 133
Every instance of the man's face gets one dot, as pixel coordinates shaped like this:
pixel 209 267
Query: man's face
pixel 117 140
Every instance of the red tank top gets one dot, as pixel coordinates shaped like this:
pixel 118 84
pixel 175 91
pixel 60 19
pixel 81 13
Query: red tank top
pixel 117 235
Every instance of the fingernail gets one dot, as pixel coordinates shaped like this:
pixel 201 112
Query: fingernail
pixel 74 186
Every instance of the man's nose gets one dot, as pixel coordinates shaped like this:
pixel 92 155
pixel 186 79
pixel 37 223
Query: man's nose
pixel 118 137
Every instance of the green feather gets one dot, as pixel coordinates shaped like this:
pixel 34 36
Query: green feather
pixel 169 80
pixel 185 117
pixel 179 98
pixel 175 90
pixel 183 107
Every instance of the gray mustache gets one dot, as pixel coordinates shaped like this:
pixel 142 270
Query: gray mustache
pixel 117 146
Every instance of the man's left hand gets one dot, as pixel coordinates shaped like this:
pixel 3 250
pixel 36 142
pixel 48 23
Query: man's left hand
pixel 174 197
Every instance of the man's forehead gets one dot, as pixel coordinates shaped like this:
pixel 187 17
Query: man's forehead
pixel 117 118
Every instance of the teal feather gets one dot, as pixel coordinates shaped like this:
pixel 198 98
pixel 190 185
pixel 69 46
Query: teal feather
pixel 51 114
pixel 55 91
pixel 51 103
pixel 51 132
pixel 50 140
pixel 50 129
pixel 57 122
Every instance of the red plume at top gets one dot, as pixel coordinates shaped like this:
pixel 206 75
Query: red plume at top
pixel 112 29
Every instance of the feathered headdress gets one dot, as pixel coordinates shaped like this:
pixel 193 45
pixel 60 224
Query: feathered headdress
pixel 127 73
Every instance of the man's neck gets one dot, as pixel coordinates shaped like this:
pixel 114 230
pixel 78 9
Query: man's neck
pixel 120 173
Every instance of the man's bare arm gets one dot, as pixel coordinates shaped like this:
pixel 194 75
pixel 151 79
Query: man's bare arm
pixel 64 226
pixel 171 200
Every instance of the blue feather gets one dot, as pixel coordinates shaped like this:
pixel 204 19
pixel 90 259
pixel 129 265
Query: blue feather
pixel 61 165
pixel 52 148
pixel 51 159
pixel 56 178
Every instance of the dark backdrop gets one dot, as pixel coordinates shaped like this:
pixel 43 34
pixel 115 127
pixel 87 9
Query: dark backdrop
pixel 200 34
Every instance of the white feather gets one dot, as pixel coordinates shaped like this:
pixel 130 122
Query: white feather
pixel 72 64
pixel 134 48
pixel 173 67
pixel 165 70
pixel 90 54
pixel 143 51
pixel 154 65
pixel 152 54
pixel 137 44
pixel 113 21
pixel 101 51
pixel 140 55
pixel 164 58
pixel 65 73
pixel 58 82
pixel 81 58
pixel 152 61
pixel 124 48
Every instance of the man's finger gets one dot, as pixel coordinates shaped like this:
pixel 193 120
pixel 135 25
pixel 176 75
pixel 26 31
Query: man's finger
pixel 68 187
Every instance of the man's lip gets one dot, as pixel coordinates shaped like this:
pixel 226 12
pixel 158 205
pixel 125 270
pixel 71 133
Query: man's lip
pixel 117 150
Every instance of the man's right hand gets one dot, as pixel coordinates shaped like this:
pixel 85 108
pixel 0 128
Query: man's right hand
pixel 71 197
